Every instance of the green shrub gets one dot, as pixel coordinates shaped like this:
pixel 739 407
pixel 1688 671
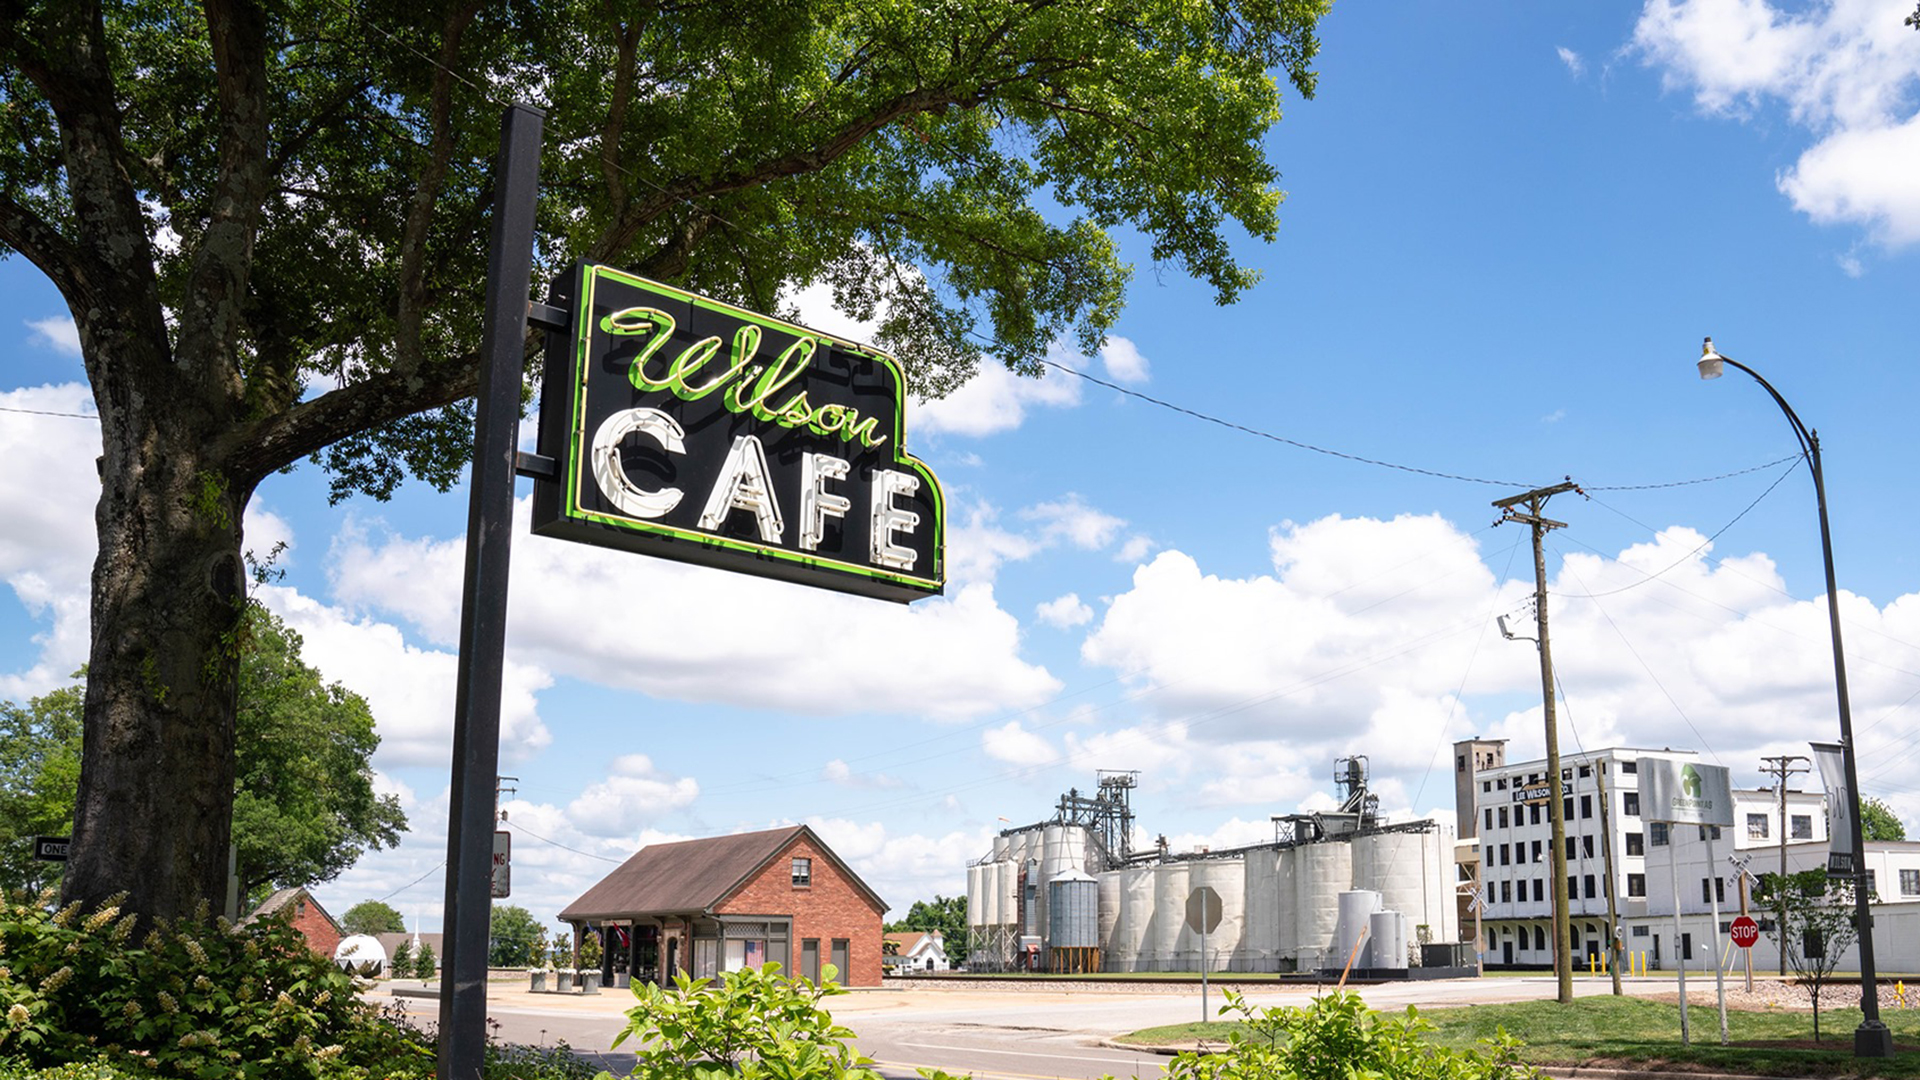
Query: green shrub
pixel 515 1061
pixel 14 1069
pixel 190 999
pixel 1339 1038
pixel 425 966
pixel 754 1024
pixel 401 966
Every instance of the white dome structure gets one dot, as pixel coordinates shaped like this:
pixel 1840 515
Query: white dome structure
pixel 360 949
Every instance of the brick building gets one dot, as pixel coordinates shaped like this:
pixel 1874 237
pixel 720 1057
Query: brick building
pixel 728 902
pixel 307 916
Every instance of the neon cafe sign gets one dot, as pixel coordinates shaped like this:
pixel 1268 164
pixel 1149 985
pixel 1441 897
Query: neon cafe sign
pixel 687 428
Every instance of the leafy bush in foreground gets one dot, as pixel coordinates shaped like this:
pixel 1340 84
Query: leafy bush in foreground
pixel 193 999
pixel 753 1024
pixel 1337 1038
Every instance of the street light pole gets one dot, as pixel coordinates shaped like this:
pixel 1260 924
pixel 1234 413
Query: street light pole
pixel 1872 1038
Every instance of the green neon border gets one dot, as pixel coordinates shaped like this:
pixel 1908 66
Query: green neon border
pixel 576 435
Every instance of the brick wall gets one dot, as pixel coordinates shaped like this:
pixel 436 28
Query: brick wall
pixel 314 925
pixel 831 907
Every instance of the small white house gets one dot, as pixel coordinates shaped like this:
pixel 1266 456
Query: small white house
pixel 915 951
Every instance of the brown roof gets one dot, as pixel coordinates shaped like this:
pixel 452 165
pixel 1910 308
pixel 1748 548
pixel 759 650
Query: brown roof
pixel 693 875
pixel 286 898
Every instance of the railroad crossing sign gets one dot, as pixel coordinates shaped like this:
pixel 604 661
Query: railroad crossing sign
pixel 1203 910
pixel 1745 932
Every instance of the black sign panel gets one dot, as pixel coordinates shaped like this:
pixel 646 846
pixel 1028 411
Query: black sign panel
pixel 1536 793
pixel 51 848
pixel 694 430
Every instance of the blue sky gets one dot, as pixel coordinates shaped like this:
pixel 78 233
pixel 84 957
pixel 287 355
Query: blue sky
pixel 1508 227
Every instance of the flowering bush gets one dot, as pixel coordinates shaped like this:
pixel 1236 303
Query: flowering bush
pixel 193 998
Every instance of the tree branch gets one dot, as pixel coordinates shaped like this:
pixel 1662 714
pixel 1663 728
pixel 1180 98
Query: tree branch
pixel 212 315
pixel 410 315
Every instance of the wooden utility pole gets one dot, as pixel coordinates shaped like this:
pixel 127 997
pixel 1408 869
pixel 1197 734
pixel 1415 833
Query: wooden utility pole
pixel 1614 949
pixel 1535 501
pixel 1782 767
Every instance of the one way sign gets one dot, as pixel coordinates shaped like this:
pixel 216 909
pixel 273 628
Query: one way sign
pixel 51 848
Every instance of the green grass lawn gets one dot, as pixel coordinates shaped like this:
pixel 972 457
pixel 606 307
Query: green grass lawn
pixel 1631 1030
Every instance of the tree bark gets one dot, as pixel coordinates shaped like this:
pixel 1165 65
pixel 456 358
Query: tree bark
pixel 152 817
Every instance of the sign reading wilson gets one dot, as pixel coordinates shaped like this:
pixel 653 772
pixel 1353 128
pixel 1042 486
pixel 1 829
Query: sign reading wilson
pixel 690 429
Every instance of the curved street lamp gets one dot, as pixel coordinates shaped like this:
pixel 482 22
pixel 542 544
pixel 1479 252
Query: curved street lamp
pixel 1871 1038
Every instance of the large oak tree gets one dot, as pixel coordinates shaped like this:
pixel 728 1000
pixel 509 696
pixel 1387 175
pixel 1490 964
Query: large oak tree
pixel 268 220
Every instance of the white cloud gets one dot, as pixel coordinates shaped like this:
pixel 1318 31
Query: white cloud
pixel 1123 360
pixel 841 774
pixel 1844 71
pixel 1374 637
pixel 56 332
pixel 634 793
pixel 676 631
pixel 409 689
pixel 1575 65
pixel 47 538
pixel 1137 547
pixel 977 545
pixel 995 400
pixel 1070 520
pixel 1064 612
pixel 1015 745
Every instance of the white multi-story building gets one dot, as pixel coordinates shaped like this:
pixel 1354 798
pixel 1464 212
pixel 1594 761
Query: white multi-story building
pixel 1503 807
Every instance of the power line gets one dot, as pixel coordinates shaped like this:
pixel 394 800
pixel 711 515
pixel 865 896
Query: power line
pixel 415 881
pixel 1682 560
pixel 49 412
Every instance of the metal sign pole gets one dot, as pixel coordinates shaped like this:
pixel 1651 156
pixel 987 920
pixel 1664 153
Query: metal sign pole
pixel 483 609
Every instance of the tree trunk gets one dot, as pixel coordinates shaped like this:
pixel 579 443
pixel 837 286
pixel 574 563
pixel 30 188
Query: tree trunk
pixel 153 814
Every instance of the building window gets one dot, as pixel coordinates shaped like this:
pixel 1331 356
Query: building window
pixel 1629 766
pixel 1506 892
pixel 1503 855
pixel 1630 802
pixel 1636 843
pixel 1705 829
pixel 1686 946
pixel 1533 814
pixel 1873 885
pixel 1573 887
pixel 1637 886
pixel 1540 939
pixel 1657 833
pixel 1586 846
pixel 1460 763
pixel 1571 841
pixel 1639 931
pixel 1535 857
pixel 1812 946
pixel 1501 783
pixel 1704 893
pixel 1566 808
pixel 1802 827
pixel 1756 826
pixel 803 874
pixel 1486 786
pixel 1586 884
pixel 1586 806
pixel 1503 817
pixel 1910 883
pixel 1539 890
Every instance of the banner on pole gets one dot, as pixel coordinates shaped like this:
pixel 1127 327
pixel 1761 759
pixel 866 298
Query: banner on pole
pixel 1832 760
pixel 1685 792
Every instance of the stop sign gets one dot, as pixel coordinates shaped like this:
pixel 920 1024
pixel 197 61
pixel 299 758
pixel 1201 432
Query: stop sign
pixel 1745 932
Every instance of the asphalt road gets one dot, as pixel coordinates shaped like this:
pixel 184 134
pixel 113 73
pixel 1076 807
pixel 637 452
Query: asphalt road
pixel 1031 1032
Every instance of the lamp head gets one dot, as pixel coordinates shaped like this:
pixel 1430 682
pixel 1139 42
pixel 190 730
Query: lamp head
pixel 1710 361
